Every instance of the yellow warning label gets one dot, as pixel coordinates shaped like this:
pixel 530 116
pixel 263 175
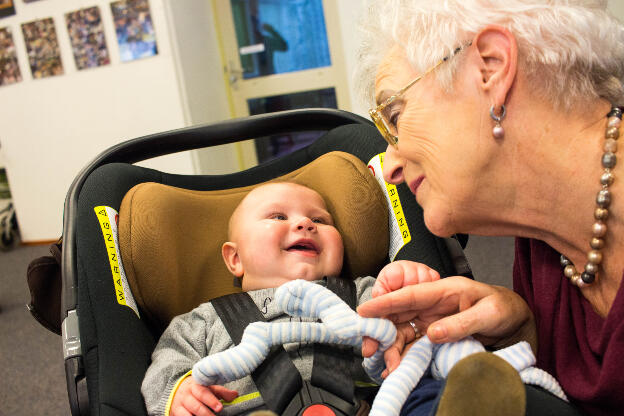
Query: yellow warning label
pixel 107 218
pixel 395 203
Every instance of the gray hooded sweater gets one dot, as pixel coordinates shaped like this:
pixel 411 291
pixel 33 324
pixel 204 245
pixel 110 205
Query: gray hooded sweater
pixel 196 334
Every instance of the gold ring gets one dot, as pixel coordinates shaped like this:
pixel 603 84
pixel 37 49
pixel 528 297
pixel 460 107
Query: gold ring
pixel 416 330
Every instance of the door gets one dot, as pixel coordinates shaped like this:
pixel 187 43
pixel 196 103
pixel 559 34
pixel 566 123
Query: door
pixel 280 55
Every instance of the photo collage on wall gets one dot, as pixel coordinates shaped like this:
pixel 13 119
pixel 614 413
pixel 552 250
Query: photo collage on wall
pixel 7 8
pixel 135 32
pixel 85 28
pixel 42 46
pixel 86 34
pixel 9 69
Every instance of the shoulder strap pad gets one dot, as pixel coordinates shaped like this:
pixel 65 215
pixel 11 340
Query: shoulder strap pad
pixel 239 310
pixel 333 364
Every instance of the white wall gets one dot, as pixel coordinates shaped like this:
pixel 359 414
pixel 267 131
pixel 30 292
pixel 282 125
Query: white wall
pixel 200 74
pixel 350 12
pixel 50 128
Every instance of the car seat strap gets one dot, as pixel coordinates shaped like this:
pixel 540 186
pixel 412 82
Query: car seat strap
pixel 236 312
pixel 332 368
pixel 344 288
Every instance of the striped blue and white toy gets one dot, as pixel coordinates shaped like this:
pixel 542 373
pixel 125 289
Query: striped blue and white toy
pixel 341 325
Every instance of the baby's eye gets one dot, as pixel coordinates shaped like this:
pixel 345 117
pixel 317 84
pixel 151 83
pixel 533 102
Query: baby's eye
pixel 279 217
pixel 319 220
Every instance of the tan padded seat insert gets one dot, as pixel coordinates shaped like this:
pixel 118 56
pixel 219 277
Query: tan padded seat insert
pixel 170 238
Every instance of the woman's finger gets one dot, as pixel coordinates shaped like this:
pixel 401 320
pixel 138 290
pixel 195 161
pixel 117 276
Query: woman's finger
pixel 406 336
pixel 489 317
pixel 410 331
pixel 445 294
pixel 392 357
pixel 407 299
pixel 455 307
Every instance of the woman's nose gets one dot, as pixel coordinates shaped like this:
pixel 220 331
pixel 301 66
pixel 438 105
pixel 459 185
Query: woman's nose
pixel 305 223
pixel 393 166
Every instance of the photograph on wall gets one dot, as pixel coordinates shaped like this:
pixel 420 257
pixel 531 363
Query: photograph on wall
pixel 86 34
pixel 44 55
pixel 7 8
pixel 134 29
pixel 9 68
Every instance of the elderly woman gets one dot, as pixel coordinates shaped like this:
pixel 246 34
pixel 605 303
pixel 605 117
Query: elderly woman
pixel 502 119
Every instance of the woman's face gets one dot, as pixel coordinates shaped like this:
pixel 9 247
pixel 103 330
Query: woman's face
pixel 440 154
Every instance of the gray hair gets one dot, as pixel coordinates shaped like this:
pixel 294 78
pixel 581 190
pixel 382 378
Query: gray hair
pixel 571 50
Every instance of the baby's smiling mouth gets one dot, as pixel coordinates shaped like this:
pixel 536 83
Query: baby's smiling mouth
pixel 306 247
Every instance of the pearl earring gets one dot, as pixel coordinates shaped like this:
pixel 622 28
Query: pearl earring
pixel 498 132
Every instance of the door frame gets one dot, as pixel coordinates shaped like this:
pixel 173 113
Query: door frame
pixel 334 76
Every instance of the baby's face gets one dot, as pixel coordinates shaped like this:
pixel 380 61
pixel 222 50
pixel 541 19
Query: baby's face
pixel 284 232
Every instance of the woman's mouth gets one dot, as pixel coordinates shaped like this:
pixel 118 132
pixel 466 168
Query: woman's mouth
pixel 415 184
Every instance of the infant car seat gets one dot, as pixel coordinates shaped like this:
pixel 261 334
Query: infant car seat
pixel 110 325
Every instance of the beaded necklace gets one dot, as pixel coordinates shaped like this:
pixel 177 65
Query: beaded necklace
pixel 603 200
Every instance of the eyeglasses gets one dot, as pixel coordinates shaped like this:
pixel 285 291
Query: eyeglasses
pixel 387 127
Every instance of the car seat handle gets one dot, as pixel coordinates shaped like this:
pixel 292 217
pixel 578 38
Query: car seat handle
pixel 189 138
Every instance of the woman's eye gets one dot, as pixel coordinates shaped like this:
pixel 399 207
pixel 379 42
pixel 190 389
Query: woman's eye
pixel 394 118
pixel 279 217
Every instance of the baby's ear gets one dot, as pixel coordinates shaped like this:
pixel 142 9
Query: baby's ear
pixel 229 251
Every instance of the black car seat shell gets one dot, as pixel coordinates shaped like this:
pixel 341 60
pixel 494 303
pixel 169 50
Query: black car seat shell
pixel 107 348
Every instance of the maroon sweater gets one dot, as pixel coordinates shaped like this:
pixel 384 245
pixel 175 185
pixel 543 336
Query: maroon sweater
pixel 583 351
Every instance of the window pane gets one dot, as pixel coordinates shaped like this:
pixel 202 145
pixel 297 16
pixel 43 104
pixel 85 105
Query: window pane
pixel 270 147
pixel 277 36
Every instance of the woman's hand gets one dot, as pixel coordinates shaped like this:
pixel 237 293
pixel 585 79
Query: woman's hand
pixel 392 277
pixel 192 398
pixel 455 307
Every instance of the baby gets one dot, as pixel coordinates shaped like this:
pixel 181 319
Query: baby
pixel 280 232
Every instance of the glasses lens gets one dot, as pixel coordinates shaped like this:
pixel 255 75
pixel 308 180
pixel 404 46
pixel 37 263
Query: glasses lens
pixel 389 134
pixel 390 127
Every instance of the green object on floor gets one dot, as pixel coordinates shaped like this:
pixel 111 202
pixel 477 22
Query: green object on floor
pixel 483 384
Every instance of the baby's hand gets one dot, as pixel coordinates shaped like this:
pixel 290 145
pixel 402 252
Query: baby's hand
pixel 402 273
pixel 192 398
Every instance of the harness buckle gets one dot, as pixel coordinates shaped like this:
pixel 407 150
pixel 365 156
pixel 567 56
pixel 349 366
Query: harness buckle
pixel 318 410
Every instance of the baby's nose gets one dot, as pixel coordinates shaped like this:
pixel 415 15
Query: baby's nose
pixel 306 223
